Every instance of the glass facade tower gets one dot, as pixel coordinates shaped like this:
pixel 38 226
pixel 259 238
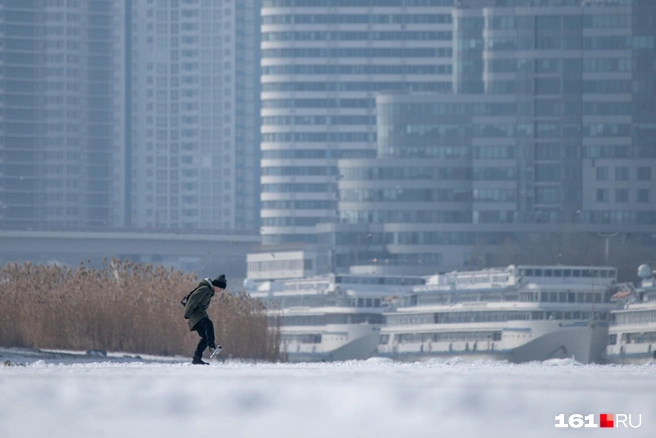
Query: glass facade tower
pixel 583 76
pixel 550 129
pixel 323 62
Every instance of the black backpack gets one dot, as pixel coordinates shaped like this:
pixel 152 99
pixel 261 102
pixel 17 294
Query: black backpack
pixel 184 299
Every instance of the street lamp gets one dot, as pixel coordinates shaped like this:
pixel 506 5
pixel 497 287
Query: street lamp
pixel 607 237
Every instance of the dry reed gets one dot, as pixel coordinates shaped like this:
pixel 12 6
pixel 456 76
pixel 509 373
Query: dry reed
pixel 123 306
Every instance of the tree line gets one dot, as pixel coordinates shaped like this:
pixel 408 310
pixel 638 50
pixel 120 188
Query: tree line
pixel 625 251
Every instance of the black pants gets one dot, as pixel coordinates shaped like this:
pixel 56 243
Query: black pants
pixel 205 329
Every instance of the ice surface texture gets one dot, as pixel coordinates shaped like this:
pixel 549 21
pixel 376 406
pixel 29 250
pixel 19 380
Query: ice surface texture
pixel 375 398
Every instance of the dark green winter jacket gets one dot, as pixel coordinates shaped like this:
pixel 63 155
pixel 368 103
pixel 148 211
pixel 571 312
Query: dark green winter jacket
pixel 199 301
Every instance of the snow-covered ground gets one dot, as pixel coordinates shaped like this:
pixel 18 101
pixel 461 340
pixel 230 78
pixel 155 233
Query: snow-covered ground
pixel 376 398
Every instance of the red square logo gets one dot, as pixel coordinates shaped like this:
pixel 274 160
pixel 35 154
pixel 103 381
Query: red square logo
pixel 606 420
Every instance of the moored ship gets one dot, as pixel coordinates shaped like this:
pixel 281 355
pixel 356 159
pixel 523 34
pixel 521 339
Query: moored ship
pixel 632 332
pixel 332 317
pixel 519 313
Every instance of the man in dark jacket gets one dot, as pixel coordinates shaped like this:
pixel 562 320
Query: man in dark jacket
pixel 195 313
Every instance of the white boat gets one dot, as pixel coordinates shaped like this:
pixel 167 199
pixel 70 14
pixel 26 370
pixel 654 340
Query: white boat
pixel 518 313
pixel 632 332
pixel 331 317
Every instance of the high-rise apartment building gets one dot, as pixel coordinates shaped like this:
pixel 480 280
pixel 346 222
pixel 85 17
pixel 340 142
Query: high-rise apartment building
pixel 130 113
pixel 61 130
pixel 583 75
pixel 323 61
pixel 552 128
pixel 194 114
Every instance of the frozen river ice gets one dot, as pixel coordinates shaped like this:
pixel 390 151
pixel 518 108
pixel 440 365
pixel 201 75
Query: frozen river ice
pixel 375 398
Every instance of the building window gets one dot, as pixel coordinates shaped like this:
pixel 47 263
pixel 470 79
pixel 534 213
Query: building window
pixel 602 173
pixel 621 195
pixel 643 195
pixel 643 174
pixel 602 195
pixel 621 174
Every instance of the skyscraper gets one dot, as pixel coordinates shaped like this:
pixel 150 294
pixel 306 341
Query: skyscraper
pixel 194 114
pixel 583 76
pixel 551 130
pixel 323 62
pixel 61 149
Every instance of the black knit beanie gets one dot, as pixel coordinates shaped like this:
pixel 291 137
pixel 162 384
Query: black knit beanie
pixel 220 281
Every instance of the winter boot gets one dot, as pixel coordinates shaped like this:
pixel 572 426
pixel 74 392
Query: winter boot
pixel 198 361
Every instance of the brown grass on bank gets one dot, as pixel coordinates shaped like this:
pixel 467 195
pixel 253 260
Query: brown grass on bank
pixel 124 306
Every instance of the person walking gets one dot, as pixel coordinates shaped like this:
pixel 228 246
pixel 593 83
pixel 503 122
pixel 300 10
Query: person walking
pixel 195 312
